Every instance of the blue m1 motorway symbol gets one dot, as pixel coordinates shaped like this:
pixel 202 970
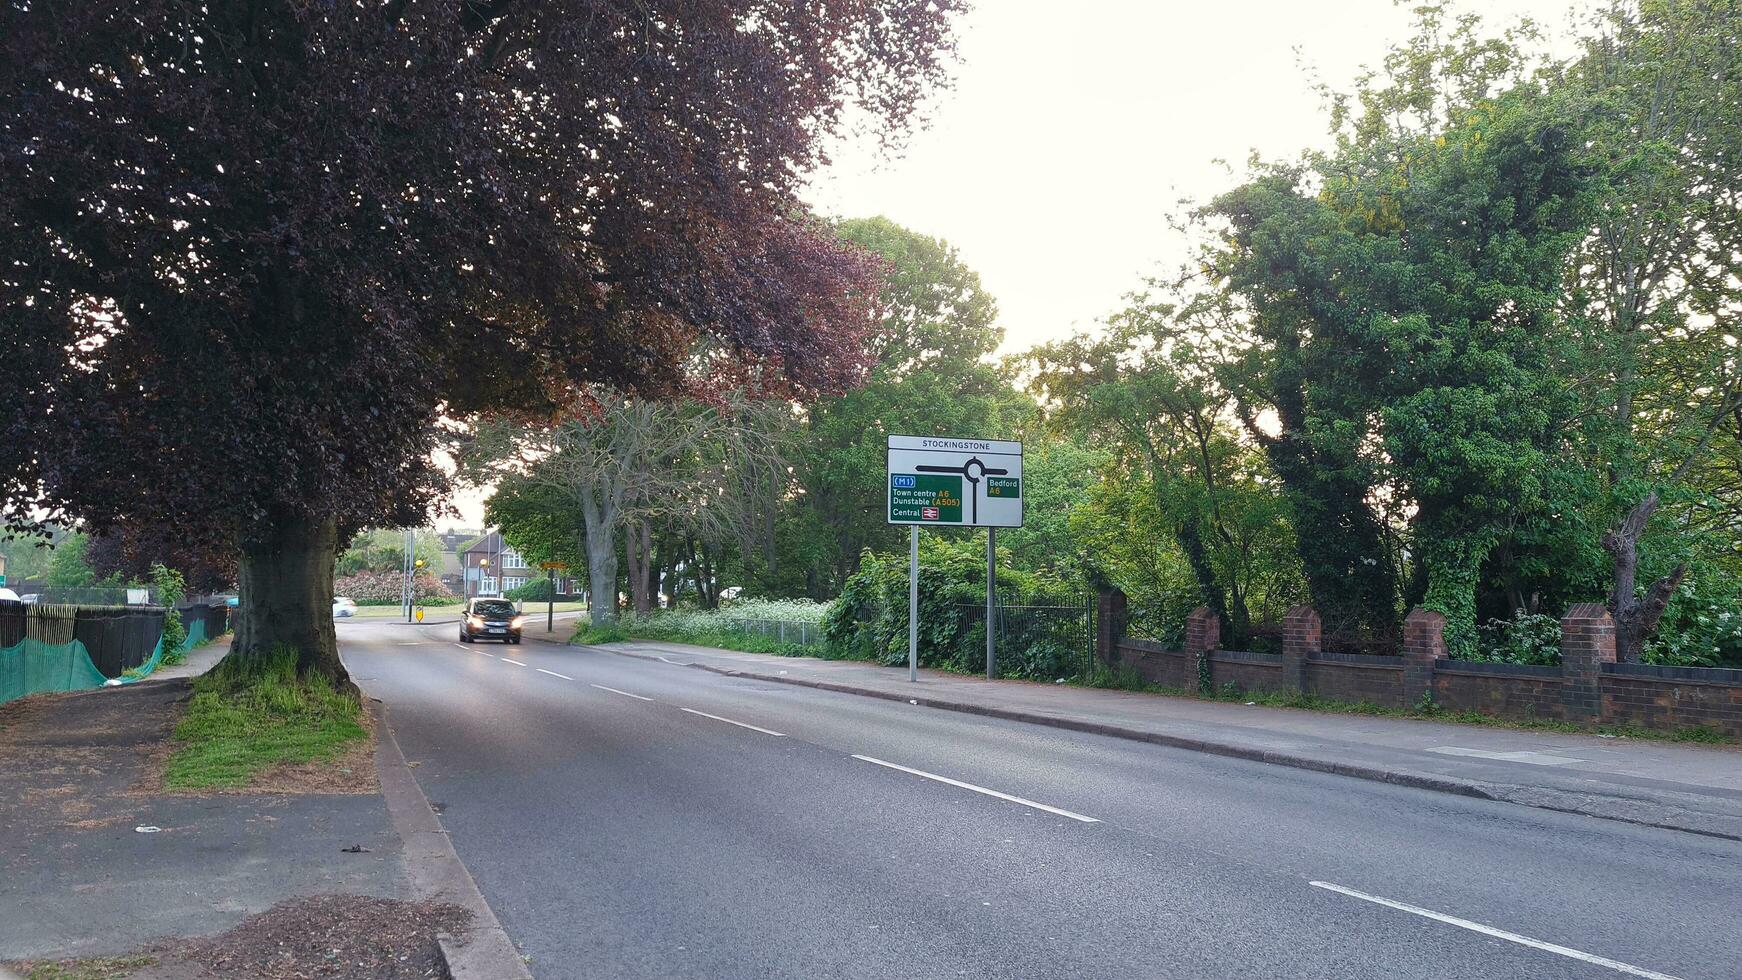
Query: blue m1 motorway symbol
pixel 905 482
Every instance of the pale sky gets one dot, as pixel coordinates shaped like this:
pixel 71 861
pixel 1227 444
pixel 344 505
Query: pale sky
pixel 1070 137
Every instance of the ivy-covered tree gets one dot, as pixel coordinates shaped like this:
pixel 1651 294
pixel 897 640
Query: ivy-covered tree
pixel 256 253
pixel 1420 274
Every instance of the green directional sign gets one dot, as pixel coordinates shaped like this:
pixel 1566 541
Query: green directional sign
pixel 1008 487
pixel 925 497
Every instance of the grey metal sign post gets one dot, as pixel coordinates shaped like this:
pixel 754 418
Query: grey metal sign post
pixel 954 483
pixel 913 603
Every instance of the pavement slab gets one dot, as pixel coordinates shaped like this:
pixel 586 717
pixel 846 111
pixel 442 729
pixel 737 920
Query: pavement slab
pixel 78 875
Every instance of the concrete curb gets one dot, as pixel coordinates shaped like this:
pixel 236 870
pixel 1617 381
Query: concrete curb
pixel 1681 814
pixel 485 952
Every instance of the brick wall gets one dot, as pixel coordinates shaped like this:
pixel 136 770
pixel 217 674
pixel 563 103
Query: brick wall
pixel 1157 664
pixel 1518 693
pixel 1632 694
pixel 1246 671
pixel 1356 679
pixel 1589 687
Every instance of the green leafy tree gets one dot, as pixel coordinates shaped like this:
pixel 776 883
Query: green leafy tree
pixel 1432 277
pixel 930 375
pixel 1657 287
pixel 67 567
pixel 1142 392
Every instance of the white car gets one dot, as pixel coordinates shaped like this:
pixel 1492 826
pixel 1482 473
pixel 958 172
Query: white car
pixel 7 595
pixel 344 608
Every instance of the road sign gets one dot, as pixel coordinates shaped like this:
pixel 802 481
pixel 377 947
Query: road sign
pixel 555 566
pixel 954 482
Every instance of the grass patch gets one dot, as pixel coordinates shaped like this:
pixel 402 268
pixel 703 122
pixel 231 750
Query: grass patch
pixel 247 716
pixel 587 633
pixel 97 968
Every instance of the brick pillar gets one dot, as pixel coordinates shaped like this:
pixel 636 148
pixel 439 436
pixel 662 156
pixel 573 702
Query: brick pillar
pixel 1424 641
pixel 1300 640
pixel 1587 643
pixel 1203 634
pixel 1110 620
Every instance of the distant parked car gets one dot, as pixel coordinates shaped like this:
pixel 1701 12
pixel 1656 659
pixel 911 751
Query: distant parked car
pixel 344 608
pixel 7 595
pixel 30 598
pixel 490 619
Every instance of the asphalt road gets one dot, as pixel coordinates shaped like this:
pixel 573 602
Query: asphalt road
pixel 635 819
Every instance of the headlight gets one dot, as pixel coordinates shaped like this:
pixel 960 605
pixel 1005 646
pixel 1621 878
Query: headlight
pixel 474 621
pixel 518 622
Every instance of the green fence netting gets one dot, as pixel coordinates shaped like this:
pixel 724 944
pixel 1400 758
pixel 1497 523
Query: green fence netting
pixel 51 658
pixel 144 670
pixel 196 635
pixel 31 666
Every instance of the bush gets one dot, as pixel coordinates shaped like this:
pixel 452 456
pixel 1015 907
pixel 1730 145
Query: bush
pixel 1702 627
pixel 379 588
pixel 537 590
pixel 751 625
pixel 1526 638
pixel 170 589
pixel 869 620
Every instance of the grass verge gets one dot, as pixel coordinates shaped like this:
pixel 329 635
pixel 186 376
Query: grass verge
pixel 1126 679
pixel 248 716
pixel 97 968
pixel 721 639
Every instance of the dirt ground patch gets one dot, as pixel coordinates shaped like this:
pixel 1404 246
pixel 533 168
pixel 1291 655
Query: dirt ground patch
pixel 323 937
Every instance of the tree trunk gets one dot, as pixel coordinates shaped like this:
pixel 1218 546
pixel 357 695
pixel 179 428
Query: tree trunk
pixel 638 548
pixel 601 579
pixel 1636 617
pixel 285 596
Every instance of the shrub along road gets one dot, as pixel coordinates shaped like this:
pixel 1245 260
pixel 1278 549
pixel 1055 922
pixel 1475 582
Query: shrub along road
pixel 638 819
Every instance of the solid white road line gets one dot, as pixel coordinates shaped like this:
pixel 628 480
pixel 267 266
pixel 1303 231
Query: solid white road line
pixel 979 789
pixel 553 673
pixel 514 662
pixel 624 693
pixel 740 724
pixel 1513 937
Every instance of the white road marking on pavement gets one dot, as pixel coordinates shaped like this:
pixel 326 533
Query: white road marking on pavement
pixel 514 662
pixel 979 789
pixel 553 673
pixel 411 643
pixel 677 663
pixel 1514 937
pixel 624 693
pixel 740 724
pixel 1528 758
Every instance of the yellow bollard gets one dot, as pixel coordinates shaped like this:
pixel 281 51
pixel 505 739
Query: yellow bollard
pixel 420 614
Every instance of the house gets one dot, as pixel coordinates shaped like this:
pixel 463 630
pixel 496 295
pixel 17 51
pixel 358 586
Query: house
pixel 489 567
pixel 450 542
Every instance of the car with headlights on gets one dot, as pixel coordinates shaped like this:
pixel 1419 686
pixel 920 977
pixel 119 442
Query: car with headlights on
pixel 490 619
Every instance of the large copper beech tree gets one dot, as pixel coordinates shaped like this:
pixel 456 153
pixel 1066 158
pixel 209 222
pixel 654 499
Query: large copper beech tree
pixel 253 253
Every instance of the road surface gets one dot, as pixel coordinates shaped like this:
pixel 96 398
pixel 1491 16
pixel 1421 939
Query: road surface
pixel 627 819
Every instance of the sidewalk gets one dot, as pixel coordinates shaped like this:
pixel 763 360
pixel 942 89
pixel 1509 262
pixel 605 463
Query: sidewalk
pixel 77 777
pixel 1661 784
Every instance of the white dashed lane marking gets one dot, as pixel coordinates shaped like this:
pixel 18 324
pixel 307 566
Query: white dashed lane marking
pixel 1511 937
